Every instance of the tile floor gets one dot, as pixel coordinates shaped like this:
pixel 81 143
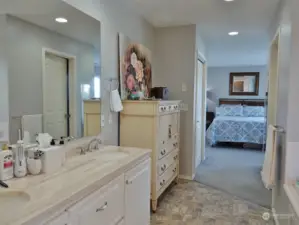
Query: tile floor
pixel 191 203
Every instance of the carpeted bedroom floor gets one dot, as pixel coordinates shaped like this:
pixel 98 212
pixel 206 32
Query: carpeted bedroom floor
pixel 235 171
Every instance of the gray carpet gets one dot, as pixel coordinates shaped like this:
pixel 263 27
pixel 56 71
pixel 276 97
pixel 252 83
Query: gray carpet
pixel 235 171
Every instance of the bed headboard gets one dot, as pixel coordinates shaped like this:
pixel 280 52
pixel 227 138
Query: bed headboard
pixel 249 102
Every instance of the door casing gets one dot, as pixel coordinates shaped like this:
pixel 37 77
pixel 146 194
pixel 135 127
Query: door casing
pixel 202 59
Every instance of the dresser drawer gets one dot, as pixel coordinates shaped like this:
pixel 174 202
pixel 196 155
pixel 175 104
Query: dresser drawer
pixel 167 147
pixel 104 207
pixel 169 173
pixel 167 161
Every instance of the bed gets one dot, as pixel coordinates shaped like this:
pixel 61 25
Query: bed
pixel 238 121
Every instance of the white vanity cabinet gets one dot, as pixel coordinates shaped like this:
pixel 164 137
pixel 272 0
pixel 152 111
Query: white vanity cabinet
pixel 104 207
pixel 124 201
pixel 137 195
pixel 60 220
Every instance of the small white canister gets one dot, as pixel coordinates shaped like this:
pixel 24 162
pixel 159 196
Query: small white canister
pixel 34 166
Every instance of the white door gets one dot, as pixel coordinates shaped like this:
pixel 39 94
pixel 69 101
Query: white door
pixel 199 110
pixel 55 96
pixel 137 195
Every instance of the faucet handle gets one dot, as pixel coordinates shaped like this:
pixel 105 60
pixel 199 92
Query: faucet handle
pixel 82 150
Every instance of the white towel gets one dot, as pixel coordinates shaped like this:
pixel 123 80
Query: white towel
pixel 269 168
pixel 115 101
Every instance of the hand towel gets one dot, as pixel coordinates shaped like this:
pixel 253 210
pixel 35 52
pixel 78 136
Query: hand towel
pixel 115 101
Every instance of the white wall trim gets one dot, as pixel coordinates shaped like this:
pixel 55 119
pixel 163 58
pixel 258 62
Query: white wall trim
pixel 186 177
pixel 72 88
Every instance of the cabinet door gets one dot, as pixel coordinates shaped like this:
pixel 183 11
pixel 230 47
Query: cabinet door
pixel 60 220
pixel 137 192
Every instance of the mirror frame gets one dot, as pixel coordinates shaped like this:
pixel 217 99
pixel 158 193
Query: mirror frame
pixel 257 80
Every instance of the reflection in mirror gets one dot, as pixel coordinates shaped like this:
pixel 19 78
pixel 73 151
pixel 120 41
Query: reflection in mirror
pixel 244 83
pixel 54 73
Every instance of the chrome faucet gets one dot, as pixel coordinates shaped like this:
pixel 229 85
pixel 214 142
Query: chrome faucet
pixel 98 142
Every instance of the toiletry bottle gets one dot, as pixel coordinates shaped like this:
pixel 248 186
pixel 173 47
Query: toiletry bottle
pixel 20 165
pixel 6 165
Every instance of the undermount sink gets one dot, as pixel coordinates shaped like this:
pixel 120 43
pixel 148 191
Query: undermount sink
pixel 12 201
pixel 113 155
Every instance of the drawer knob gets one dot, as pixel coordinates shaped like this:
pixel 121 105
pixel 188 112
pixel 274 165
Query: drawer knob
pixel 102 208
pixel 129 182
pixel 174 170
pixel 162 183
pixel 163 152
pixel 163 168
pixel 175 158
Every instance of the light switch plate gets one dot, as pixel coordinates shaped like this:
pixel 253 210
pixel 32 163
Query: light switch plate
pixel 184 87
pixel 110 118
pixel 102 120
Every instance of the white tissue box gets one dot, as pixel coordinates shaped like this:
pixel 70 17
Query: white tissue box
pixel 52 159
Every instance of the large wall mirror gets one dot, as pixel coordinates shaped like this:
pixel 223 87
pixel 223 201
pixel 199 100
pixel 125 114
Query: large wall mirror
pixel 54 72
pixel 244 83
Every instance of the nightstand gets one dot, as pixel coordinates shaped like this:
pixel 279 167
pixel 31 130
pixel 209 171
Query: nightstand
pixel 209 119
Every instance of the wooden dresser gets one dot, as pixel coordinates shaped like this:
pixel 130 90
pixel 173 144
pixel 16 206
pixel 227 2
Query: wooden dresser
pixel 92 117
pixel 154 125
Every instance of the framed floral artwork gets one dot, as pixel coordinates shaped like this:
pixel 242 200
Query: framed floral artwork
pixel 135 69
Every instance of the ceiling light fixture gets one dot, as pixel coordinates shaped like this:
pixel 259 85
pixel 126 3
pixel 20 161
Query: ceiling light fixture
pixel 229 0
pixel 233 33
pixel 61 20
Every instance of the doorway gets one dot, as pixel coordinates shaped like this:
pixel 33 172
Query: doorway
pixel 200 111
pixel 59 105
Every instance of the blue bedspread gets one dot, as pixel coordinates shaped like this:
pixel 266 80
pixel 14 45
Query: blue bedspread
pixel 237 129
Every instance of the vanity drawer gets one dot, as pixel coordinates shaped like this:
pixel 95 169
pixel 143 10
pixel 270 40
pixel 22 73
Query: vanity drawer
pixel 104 207
pixel 169 173
pixel 167 161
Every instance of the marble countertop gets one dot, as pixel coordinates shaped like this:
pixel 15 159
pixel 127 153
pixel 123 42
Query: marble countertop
pixel 81 175
pixel 293 194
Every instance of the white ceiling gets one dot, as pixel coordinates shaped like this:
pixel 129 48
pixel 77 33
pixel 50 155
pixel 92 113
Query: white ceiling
pixel 80 26
pixel 215 18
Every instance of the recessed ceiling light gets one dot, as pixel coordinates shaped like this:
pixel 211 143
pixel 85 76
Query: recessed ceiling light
pixel 61 20
pixel 233 33
pixel 229 0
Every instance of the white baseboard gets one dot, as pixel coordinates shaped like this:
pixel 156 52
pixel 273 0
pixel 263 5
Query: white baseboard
pixel 184 177
pixel 275 216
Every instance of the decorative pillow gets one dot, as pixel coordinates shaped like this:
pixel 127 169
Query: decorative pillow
pixel 230 110
pixel 254 111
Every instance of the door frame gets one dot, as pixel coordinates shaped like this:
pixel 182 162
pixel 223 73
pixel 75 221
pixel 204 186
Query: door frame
pixel 72 73
pixel 200 57
pixel 273 76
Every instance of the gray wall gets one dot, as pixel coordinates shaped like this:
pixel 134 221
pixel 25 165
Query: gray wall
pixel 4 104
pixel 114 17
pixel 25 43
pixel 174 62
pixel 218 80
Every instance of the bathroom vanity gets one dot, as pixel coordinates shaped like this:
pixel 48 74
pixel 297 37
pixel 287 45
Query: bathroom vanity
pixel 110 186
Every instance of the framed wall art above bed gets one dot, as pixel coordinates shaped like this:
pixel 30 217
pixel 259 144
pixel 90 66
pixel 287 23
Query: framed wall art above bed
pixel 244 83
